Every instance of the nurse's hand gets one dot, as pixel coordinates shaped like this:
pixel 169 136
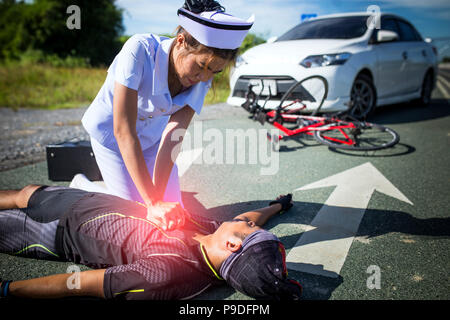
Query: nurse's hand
pixel 167 215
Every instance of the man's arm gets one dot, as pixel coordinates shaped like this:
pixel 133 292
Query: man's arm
pixel 56 286
pixel 260 216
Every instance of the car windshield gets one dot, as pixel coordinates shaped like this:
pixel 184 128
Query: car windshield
pixel 330 28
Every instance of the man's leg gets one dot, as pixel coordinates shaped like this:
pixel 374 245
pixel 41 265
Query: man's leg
pixel 20 234
pixel 28 227
pixel 14 199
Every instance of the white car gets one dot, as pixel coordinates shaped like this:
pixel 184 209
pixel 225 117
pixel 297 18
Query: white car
pixel 364 66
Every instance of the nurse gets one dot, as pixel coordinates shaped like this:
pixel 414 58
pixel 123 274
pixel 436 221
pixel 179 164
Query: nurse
pixel 154 87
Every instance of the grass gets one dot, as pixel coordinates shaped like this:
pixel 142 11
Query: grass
pixel 48 87
pixel 220 88
pixel 42 86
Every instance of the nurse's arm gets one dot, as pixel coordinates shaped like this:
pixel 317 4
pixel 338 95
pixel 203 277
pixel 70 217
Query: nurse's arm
pixel 170 147
pixel 125 117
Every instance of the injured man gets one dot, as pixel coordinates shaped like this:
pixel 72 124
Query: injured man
pixel 131 256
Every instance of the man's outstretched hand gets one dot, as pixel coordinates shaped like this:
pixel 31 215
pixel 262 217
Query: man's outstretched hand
pixel 167 215
pixel 285 201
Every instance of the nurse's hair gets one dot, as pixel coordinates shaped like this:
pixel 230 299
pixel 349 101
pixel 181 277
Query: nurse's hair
pixel 195 47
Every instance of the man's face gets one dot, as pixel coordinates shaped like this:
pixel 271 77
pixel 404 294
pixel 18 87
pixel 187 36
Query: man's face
pixel 227 230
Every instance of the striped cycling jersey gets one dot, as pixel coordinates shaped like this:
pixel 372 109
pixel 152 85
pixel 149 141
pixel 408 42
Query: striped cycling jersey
pixel 142 261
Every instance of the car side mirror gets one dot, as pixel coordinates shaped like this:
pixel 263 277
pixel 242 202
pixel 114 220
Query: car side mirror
pixel 386 36
pixel 272 39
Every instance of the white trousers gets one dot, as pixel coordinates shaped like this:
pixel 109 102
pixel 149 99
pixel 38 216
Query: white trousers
pixel 118 180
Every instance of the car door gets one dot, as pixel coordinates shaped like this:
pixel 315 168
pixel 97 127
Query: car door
pixel 391 63
pixel 416 56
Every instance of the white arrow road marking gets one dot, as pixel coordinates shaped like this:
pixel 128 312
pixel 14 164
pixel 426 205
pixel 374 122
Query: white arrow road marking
pixel 324 249
pixel 186 158
pixel 442 84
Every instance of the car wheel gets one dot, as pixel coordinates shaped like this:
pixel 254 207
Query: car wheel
pixel 427 89
pixel 363 97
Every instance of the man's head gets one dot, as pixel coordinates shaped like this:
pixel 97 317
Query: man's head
pixel 254 261
pixel 229 236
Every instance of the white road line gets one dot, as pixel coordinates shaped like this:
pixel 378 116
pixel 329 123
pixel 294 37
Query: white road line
pixel 324 249
pixel 445 66
pixel 442 86
pixel 186 158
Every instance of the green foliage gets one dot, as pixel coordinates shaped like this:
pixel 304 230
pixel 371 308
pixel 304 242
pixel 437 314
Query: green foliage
pixel 122 40
pixel 28 85
pixel 41 25
pixel 250 41
pixel 167 35
pixel 32 56
pixel 220 88
pixel 44 64
pixel 11 31
pixel 221 83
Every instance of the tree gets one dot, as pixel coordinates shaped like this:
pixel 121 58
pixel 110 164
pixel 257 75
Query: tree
pixel 11 28
pixel 41 25
pixel 250 41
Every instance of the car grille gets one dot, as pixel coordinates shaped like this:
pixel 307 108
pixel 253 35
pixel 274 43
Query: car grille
pixel 283 84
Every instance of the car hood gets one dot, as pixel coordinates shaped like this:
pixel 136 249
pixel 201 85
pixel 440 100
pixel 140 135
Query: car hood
pixel 295 51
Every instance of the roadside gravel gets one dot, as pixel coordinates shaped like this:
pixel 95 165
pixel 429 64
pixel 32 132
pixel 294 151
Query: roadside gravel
pixel 26 132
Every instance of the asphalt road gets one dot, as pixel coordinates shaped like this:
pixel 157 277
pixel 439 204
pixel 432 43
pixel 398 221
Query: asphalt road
pixel 401 249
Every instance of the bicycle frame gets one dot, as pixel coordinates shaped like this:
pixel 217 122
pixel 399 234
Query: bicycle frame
pixel 320 124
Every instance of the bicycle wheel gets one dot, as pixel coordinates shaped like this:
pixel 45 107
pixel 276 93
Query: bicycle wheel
pixel 311 91
pixel 354 135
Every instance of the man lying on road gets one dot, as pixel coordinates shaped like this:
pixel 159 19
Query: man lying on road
pixel 131 255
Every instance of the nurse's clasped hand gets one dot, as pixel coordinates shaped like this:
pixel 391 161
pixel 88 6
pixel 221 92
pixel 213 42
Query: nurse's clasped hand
pixel 167 215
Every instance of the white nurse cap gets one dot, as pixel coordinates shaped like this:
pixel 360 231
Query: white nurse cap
pixel 208 23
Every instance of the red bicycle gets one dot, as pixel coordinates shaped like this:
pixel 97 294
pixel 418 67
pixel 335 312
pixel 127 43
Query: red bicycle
pixel 339 130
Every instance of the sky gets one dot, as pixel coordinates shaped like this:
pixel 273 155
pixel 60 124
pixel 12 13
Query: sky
pixel 274 17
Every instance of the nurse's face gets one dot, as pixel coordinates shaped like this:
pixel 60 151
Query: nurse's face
pixel 191 68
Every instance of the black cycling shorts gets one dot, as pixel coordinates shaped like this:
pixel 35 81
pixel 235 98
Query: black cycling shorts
pixel 31 232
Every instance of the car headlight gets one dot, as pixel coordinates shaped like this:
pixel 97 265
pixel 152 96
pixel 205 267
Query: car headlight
pixel 325 60
pixel 240 62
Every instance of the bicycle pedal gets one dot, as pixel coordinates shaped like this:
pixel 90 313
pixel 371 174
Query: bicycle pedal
pixel 254 108
pixel 261 117
pixel 246 105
